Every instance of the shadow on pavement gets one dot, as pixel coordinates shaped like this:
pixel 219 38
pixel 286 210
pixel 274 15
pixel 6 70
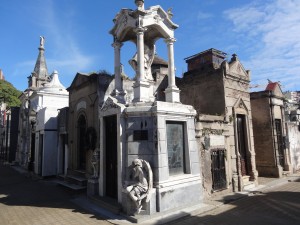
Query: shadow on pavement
pixel 19 190
pixel 280 207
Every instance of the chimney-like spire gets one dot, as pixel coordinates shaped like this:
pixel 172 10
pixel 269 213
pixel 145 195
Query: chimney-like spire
pixel 40 68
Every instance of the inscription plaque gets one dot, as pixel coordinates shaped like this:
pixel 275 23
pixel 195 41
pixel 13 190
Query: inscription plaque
pixel 140 135
pixel 175 146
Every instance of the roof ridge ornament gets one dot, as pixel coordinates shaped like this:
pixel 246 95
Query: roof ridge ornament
pixel 140 4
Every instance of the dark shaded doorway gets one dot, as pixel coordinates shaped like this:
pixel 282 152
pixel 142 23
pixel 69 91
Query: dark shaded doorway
pixel 111 156
pixel 41 153
pixel 242 144
pixel 81 130
pixel 32 153
pixel 279 140
pixel 63 142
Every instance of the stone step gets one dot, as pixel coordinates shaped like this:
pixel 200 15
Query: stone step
pixel 79 180
pixel 71 186
pixel 249 186
pixel 79 173
pixel 246 180
pixel 106 203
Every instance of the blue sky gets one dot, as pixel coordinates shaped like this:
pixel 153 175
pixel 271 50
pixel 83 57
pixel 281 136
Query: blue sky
pixel 264 34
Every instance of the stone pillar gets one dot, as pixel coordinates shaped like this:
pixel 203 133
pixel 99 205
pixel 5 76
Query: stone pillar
pixel 172 92
pixel 118 92
pixel 140 54
pixel 141 86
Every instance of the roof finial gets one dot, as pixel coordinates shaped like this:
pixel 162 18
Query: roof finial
pixel 139 4
pixel 42 41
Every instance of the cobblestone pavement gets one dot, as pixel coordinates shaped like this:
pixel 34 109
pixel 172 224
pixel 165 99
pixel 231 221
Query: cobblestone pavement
pixel 25 201
pixel 273 205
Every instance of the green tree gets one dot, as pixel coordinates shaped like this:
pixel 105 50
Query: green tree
pixel 9 94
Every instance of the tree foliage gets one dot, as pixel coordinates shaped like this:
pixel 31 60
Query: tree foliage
pixel 9 94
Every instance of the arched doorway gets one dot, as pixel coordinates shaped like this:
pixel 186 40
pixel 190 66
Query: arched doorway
pixel 81 148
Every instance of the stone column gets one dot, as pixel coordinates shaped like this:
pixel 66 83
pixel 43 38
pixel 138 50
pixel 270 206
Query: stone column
pixel 141 86
pixel 118 92
pixel 140 54
pixel 172 92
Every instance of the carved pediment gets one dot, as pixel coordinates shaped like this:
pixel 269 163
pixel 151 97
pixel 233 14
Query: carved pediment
pixel 237 69
pixel 110 103
pixel 240 106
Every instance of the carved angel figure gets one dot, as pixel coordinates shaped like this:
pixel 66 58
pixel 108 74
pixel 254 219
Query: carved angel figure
pixel 149 53
pixel 142 184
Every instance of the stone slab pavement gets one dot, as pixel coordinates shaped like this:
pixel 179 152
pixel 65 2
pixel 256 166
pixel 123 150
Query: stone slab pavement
pixel 28 200
pixel 273 202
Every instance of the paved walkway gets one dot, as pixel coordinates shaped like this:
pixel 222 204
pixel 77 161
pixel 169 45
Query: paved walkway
pixel 276 202
pixel 27 201
pixel 24 200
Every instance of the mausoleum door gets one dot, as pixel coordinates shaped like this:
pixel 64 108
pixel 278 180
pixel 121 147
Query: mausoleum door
pixel 111 156
pixel 242 144
pixel 279 142
pixel 81 143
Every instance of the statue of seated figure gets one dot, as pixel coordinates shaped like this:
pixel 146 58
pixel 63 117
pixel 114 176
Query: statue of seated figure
pixel 141 183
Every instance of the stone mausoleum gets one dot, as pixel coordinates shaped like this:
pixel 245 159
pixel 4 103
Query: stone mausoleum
pixel 272 155
pixel 219 90
pixel 150 135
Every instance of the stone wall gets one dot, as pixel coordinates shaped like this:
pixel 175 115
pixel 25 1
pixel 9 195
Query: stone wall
pixel 263 136
pixel 212 133
pixel 204 91
pixel 294 145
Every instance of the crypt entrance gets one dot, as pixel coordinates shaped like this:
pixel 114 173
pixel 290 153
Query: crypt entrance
pixel 111 165
pixel 81 150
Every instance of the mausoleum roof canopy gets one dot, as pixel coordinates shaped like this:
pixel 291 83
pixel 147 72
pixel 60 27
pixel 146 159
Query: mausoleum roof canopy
pixel 156 22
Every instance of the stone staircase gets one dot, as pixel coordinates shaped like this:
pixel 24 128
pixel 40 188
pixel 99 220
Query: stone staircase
pixel 74 180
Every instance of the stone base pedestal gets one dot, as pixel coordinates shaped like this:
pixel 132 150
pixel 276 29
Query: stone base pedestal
pixel 93 187
pixel 178 194
pixel 141 90
pixel 172 94
pixel 129 207
pixel 119 95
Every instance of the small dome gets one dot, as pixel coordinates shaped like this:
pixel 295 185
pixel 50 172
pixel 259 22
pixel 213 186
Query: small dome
pixel 54 86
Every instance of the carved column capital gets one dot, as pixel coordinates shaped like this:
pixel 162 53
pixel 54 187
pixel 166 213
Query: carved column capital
pixel 117 44
pixel 140 30
pixel 170 40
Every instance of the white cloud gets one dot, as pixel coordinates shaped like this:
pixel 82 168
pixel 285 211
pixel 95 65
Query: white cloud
pixel 66 55
pixel 274 26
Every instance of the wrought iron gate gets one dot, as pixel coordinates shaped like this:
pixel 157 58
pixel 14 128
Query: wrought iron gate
pixel 218 169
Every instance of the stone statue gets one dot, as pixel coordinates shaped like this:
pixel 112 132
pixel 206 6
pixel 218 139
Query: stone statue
pixel 141 185
pixel 149 53
pixel 95 162
pixel 139 4
pixel 42 41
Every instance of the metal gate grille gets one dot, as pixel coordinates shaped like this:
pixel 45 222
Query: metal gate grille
pixel 218 169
